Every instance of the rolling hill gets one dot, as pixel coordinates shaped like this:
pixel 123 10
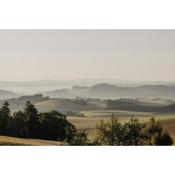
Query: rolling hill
pixel 46 104
pixel 64 105
pixel 4 94
pixel 108 91
pixel 134 105
pixel 17 104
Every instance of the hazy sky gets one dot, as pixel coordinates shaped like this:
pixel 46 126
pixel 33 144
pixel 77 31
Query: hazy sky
pixel 83 54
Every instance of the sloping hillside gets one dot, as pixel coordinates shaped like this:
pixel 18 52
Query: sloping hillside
pixel 108 91
pixel 4 94
pixel 139 106
pixel 13 141
pixel 19 103
pixel 65 105
pixel 152 91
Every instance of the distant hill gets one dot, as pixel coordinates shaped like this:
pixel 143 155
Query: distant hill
pixel 134 105
pixel 40 86
pixel 46 104
pixel 19 103
pixel 108 91
pixel 64 105
pixel 77 105
pixel 151 91
pixel 4 94
pixel 60 93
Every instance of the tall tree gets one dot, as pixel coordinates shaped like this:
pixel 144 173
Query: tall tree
pixel 18 126
pixel 5 117
pixel 32 115
pixel 110 133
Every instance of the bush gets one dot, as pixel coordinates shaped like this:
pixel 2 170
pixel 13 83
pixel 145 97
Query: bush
pixel 110 133
pixel 134 133
pixel 164 140
pixel 131 133
pixel 80 138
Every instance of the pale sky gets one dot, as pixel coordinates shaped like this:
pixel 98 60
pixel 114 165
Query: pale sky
pixel 82 54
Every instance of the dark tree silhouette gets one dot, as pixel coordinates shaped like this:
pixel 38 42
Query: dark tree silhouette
pixel 32 115
pixel 19 125
pixel 54 126
pixel 5 118
pixel 80 138
pixel 164 140
pixel 131 133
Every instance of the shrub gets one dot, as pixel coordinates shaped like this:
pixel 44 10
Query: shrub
pixel 80 139
pixel 131 133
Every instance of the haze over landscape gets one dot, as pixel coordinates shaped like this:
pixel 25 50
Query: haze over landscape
pixel 86 76
pixel 28 55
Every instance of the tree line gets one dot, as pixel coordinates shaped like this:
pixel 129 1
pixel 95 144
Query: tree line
pixel 32 124
pixel 55 126
pixel 133 106
pixel 132 132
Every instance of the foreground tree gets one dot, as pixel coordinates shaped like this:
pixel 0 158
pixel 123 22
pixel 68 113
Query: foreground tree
pixel 110 133
pixel 156 135
pixel 54 126
pixel 79 139
pixel 19 125
pixel 132 132
pixel 31 114
pixel 31 124
pixel 164 140
pixel 5 118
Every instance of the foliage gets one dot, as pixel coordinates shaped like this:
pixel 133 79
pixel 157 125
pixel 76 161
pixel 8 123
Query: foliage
pixel 5 118
pixel 80 138
pixel 164 140
pixel 131 133
pixel 110 133
pixel 54 126
pixel 32 115
pixel 134 133
pixel 19 126
pixel 155 134
pixel 31 124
